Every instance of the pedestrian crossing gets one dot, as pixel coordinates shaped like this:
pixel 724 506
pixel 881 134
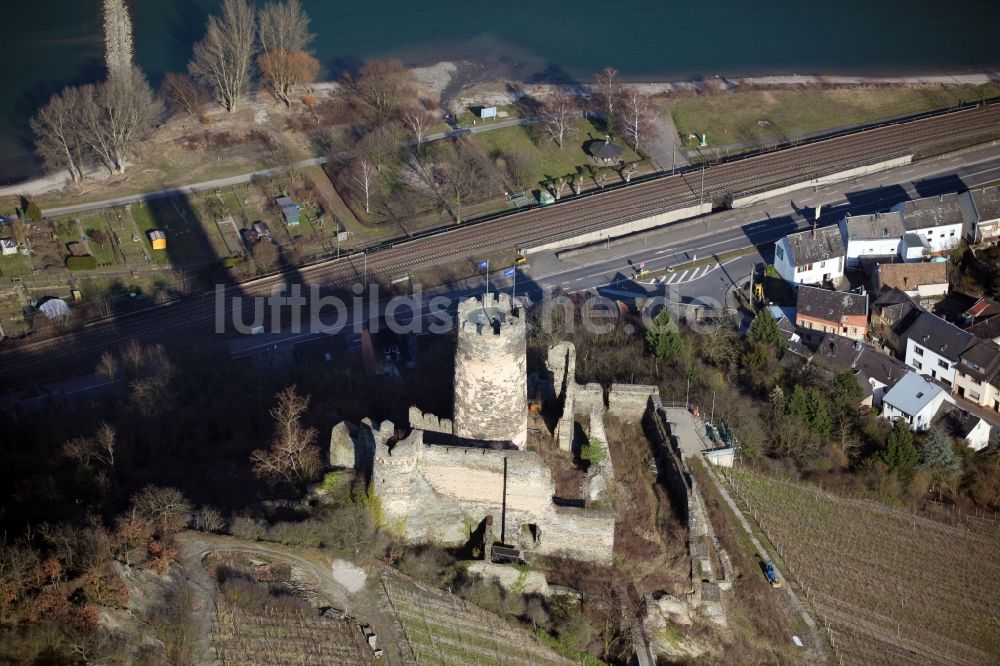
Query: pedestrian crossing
pixel 689 275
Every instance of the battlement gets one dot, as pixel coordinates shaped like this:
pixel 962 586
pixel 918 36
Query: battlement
pixel 492 315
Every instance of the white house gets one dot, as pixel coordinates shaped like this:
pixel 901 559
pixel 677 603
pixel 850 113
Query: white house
pixel 972 429
pixel 938 220
pixel 877 235
pixel 8 246
pixel 981 212
pixel 915 399
pixel 933 347
pixel 811 257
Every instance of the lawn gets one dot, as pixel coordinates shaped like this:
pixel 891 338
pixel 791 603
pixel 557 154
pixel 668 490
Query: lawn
pixel 14 265
pixel 544 160
pixel 888 583
pixel 188 239
pixel 105 253
pixel 470 119
pixel 769 116
pixel 146 222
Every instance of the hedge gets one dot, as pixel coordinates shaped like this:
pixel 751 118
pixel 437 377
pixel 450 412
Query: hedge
pixel 87 262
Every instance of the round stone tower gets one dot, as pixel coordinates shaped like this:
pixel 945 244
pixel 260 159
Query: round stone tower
pixel 491 401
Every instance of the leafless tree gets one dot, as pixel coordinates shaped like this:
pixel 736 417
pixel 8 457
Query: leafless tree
pixel 418 121
pixel 383 86
pixel 117 38
pixel 184 93
pixel 281 70
pixel 607 86
pixel 636 117
pixel 116 114
pixel 207 519
pixel 364 175
pixel 294 457
pixel 559 186
pixel 559 117
pixel 461 173
pixel 100 448
pixel 283 26
pixel 166 508
pixel 223 59
pixel 58 137
pixel 381 145
pixel 108 364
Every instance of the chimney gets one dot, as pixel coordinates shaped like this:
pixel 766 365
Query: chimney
pixel 814 230
pixel 607 139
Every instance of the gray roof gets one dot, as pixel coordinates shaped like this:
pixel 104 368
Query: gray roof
pixel 872 227
pixel 986 330
pixel 981 360
pixel 931 212
pixel 284 202
pixel 830 305
pixel 912 393
pixel 987 202
pixel 811 246
pixel 939 336
pixel 605 150
pixel 881 367
pixel 962 422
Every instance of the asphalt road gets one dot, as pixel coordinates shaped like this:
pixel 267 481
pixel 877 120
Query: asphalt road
pixel 610 271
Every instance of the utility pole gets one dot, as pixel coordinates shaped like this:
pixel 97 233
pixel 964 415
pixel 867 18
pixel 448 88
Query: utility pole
pixel 701 199
pixel 673 157
pixel 366 268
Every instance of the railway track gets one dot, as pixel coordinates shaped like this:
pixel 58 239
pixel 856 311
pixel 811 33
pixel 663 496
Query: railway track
pixel 588 212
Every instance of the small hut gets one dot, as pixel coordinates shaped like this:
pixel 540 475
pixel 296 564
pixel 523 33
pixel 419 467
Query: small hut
pixel 604 152
pixel 158 239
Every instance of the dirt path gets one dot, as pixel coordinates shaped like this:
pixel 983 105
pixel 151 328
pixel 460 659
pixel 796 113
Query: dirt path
pixel 816 650
pixel 363 605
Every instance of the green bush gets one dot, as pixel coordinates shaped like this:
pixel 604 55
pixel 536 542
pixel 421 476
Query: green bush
pixel 33 212
pixel 87 262
pixel 594 452
pixel 232 262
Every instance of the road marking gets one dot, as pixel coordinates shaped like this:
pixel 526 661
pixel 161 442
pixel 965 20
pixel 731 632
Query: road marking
pixel 672 278
pixel 682 276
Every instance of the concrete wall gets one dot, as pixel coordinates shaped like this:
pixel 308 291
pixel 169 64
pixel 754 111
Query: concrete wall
pixel 491 391
pixel 623 228
pixel 751 199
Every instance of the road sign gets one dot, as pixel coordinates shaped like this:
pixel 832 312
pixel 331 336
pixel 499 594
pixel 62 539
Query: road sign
pixel 488 112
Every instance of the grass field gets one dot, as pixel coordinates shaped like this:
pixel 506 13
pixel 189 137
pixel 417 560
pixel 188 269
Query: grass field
pixel 442 629
pixel 886 586
pixel 545 160
pixel 105 253
pixel 14 265
pixel 769 116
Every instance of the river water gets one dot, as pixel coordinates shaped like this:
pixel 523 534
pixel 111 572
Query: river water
pixel 48 44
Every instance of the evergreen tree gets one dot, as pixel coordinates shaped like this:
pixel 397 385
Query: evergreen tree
pixel 900 454
pixel 847 392
pixel 765 329
pixel 663 338
pixel 938 457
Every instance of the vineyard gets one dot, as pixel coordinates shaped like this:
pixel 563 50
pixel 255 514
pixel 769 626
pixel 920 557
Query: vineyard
pixel 886 586
pixel 442 629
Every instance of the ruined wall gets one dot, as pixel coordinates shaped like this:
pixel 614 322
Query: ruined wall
pixel 441 493
pixel 588 398
pixel 629 401
pixel 429 422
pixel 491 393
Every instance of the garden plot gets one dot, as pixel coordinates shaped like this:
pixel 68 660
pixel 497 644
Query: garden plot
pixel 129 245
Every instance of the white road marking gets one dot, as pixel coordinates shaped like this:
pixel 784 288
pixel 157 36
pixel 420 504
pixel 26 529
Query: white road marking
pixel 682 276
pixel 672 278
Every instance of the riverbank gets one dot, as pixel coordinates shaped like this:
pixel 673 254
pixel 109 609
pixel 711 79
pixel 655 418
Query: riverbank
pixel 458 85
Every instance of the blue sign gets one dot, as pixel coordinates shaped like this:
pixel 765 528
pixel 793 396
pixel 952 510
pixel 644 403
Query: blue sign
pixel 484 265
pixel 509 272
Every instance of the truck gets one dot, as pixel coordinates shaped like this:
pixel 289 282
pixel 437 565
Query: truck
pixel 772 575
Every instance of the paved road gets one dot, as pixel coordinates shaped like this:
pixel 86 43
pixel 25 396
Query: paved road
pixel 610 271
pixel 263 173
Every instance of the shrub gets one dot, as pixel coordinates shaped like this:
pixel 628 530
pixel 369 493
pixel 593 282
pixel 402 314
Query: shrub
pixel 233 262
pixel 33 212
pixel 593 452
pixel 86 262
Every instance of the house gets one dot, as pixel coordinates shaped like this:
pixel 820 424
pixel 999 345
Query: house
pixel 972 429
pixel 986 330
pixel 810 257
pixel 880 371
pixel 982 310
pixel 981 212
pixel 933 347
pixel 938 220
pixel 891 314
pixel 158 239
pixel 976 374
pixel 291 210
pixel 8 246
pixel 876 235
pixel 927 281
pixel 915 399
pixel 839 312
pixel 914 247
pixel 257 232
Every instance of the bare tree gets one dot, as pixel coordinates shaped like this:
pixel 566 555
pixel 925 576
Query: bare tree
pixel 383 86
pixel 558 117
pixel 364 175
pixel 460 174
pixel 636 117
pixel 418 121
pixel 283 26
pixel 166 508
pixel 207 519
pixel 58 137
pixel 108 364
pixel 281 70
pixel 117 38
pixel 381 145
pixel 116 114
pixel 293 458
pixel 100 448
pixel 184 93
pixel 224 57
pixel 607 86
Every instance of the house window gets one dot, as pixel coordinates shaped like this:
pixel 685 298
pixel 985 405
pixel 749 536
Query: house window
pixel 919 351
pixel 779 252
pixel 942 364
pixel 952 233
pixel 916 364
pixel 973 396
pixel 807 267
pixel 854 330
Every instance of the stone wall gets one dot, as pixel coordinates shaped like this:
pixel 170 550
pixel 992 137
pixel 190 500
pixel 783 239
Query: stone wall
pixel 441 493
pixel 588 398
pixel 629 401
pixel 429 422
pixel 491 393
